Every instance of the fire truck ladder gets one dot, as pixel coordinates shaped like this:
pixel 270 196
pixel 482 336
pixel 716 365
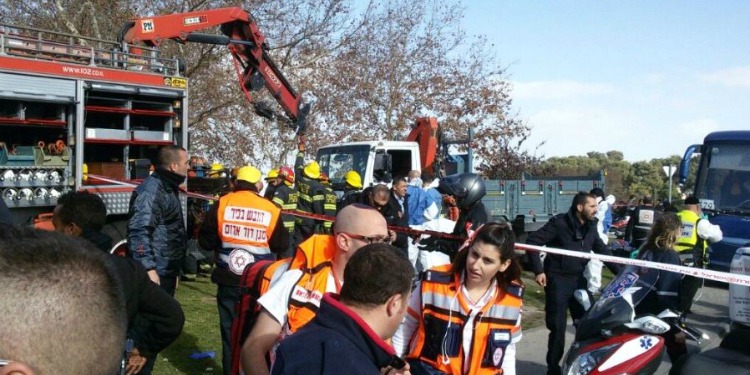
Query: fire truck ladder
pixel 47 45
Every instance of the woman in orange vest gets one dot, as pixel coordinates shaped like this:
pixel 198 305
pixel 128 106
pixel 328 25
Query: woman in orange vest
pixel 465 317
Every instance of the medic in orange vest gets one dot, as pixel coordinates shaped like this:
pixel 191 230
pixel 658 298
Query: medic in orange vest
pixel 316 268
pixel 241 228
pixel 465 318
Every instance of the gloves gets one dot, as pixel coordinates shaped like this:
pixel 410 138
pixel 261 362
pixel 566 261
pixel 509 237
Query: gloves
pixel 437 244
pixel 428 244
pixel 301 144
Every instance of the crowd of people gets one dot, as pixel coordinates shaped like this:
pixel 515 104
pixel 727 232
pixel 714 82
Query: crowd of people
pixel 346 293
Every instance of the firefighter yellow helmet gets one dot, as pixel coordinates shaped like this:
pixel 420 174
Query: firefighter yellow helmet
pixel 216 170
pixel 273 173
pixel 312 170
pixel 353 179
pixel 249 174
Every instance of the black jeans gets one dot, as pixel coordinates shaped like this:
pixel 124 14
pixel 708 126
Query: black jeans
pixel 688 289
pixel 168 283
pixel 558 299
pixel 226 298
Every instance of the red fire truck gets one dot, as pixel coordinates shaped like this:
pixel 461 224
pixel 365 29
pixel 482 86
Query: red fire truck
pixel 76 109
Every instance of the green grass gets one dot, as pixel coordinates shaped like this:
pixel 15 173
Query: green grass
pixel 200 334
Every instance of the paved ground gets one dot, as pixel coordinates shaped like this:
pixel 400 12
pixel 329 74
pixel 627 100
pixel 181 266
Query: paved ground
pixel 710 315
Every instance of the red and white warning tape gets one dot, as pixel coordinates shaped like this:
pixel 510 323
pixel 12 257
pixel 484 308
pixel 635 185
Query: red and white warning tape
pixel 723 277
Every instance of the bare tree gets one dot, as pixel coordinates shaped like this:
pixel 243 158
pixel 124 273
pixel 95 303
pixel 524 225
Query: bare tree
pixel 411 58
pixel 368 72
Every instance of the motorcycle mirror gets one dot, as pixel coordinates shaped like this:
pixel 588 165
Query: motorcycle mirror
pixel 649 324
pixel 667 313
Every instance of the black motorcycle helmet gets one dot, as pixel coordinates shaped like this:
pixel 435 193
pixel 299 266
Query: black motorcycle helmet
pixel 467 188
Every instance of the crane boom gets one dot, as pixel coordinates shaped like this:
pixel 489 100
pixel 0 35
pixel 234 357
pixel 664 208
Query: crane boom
pixel 246 43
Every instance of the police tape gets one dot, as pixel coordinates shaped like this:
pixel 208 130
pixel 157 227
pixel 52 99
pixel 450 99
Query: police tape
pixel 415 233
pixel 409 231
pixel 133 185
pixel 723 277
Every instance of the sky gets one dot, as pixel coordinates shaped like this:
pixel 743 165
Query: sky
pixel 647 78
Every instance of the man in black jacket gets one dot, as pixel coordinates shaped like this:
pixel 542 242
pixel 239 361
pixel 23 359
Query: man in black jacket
pixel 157 237
pixel 160 317
pixel 379 198
pixel 562 275
pixel 399 208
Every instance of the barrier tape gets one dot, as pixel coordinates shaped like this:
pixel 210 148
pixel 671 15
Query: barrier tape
pixel 409 231
pixel 723 277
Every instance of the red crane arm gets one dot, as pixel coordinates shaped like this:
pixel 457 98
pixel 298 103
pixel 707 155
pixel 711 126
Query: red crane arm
pixel 245 41
pixel 426 133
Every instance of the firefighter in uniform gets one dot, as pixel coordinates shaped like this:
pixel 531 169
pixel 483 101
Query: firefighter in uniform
pixel 240 228
pixel 465 317
pixel 352 190
pixel 329 204
pixel 273 182
pixel 692 245
pixel 311 193
pixel 286 197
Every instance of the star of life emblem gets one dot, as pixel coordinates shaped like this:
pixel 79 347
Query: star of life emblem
pixel 239 259
pixel 497 357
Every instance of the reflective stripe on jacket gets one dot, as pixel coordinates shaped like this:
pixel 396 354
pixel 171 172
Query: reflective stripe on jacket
pixel 329 206
pixel 245 222
pixel 286 197
pixel 438 340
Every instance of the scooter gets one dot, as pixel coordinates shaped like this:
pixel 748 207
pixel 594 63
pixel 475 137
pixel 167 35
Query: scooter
pixel 611 340
pixel 732 357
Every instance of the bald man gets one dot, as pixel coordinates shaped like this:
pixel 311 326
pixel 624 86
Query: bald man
pixel 294 299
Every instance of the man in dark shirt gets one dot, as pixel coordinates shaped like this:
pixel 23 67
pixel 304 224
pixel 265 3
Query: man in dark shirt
pixel 641 222
pixel 562 275
pixel 155 319
pixel 347 335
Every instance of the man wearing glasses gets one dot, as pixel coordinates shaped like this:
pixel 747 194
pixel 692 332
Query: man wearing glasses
pixel 317 268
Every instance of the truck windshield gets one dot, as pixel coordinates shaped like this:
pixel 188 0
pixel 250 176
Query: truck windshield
pixel 724 179
pixel 336 161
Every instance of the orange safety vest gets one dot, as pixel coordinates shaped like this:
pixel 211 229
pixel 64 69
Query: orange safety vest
pixel 245 222
pixel 438 340
pixel 313 257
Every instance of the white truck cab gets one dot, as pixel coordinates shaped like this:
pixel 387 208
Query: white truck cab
pixel 375 161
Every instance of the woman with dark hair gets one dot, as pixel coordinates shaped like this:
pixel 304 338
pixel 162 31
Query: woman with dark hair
pixel 465 317
pixel 659 247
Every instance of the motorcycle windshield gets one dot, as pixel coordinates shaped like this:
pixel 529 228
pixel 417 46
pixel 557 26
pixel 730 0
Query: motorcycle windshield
pixel 616 306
